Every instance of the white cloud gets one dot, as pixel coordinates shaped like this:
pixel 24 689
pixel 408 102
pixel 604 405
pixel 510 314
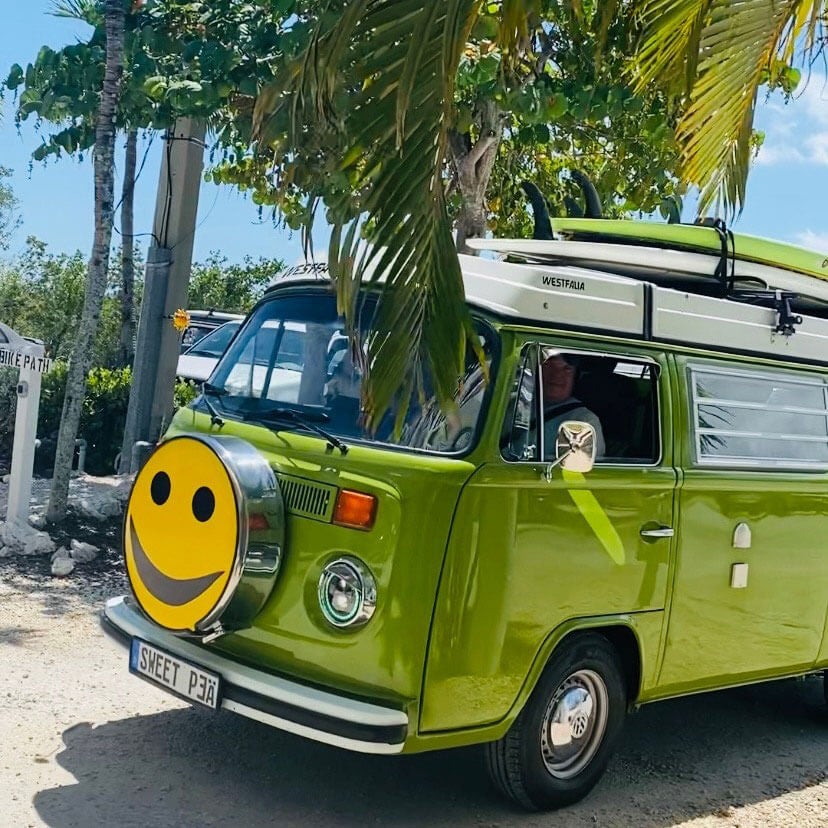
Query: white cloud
pixel 771 105
pixel 817 148
pixel 814 100
pixel 772 153
pixel 813 241
pixel 795 133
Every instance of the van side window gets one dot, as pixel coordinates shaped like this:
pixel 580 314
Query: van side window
pixel 758 418
pixel 617 396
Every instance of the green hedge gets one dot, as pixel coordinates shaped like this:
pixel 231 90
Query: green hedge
pixel 102 419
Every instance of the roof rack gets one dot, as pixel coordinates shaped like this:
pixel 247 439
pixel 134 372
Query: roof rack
pixel 761 322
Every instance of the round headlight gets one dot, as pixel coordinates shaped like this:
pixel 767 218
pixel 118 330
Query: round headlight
pixel 347 592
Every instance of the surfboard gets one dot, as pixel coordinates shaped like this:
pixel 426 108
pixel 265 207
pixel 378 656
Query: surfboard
pixel 682 269
pixel 694 237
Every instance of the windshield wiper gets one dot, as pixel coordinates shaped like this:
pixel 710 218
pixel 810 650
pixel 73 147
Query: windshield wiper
pixel 207 391
pixel 305 420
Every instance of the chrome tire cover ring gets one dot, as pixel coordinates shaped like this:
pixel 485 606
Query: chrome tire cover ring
pixel 574 724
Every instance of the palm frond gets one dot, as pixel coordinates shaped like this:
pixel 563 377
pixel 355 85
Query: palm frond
pixel 722 49
pixel 671 40
pixel 89 11
pixel 395 132
pixel 516 19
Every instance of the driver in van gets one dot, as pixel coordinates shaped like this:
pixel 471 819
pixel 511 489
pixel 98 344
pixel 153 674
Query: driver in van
pixel 558 374
pixel 346 380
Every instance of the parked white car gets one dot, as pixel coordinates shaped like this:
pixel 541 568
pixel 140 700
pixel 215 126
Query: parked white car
pixel 198 362
pixel 257 368
pixel 203 322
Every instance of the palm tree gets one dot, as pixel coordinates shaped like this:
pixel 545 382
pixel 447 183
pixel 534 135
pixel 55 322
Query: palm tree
pixel 406 53
pixel 717 54
pixel 127 338
pixel 91 12
pixel 114 15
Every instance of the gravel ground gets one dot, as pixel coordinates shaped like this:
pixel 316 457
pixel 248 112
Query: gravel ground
pixel 85 744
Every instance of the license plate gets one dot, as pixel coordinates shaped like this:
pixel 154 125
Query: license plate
pixel 174 674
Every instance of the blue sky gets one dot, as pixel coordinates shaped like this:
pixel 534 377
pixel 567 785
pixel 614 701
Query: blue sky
pixel 786 190
pixel 56 200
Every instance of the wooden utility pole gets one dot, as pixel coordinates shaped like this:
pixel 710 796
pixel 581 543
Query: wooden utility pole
pixel 166 284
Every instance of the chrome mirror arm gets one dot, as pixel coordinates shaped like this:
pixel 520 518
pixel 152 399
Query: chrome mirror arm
pixel 550 467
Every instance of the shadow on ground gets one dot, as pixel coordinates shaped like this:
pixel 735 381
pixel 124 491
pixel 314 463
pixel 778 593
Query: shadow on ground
pixel 679 759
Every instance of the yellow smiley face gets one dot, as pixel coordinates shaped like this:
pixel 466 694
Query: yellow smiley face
pixel 181 534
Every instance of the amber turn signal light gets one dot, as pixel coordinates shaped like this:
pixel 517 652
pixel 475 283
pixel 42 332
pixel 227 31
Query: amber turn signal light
pixel 355 509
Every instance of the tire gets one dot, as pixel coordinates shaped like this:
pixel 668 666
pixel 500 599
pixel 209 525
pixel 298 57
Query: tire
pixel 583 683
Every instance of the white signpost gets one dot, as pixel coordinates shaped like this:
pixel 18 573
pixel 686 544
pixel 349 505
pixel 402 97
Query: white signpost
pixel 29 358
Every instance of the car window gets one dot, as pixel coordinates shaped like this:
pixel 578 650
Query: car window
pixel 618 396
pixel 215 343
pixel 758 418
pixel 294 350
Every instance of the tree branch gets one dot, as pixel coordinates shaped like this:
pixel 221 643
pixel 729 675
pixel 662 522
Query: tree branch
pixel 483 145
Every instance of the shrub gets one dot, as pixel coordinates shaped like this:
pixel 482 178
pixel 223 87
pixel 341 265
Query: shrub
pixel 8 403
pixel 185 392
pixel 102 418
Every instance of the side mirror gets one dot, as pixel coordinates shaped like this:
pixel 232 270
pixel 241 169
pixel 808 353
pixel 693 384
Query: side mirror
pixel 575 446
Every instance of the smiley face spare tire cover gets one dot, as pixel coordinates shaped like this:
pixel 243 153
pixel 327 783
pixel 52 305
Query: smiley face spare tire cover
pixel 204 534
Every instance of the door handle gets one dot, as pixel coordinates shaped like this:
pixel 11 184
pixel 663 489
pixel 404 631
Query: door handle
pixel 660 532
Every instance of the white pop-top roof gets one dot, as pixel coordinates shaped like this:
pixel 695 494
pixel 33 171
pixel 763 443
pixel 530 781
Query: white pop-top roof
pixel 571 297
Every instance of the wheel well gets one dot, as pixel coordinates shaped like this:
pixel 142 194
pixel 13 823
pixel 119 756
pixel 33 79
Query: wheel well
pixel 625 642
pixel 626 645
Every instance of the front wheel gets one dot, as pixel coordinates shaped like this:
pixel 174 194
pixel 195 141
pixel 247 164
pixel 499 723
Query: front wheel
pixel 560 744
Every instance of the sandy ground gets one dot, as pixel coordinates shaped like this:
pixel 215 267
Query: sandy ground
pixel 83 743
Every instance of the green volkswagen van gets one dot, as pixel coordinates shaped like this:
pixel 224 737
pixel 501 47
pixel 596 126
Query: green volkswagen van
pixel 625 505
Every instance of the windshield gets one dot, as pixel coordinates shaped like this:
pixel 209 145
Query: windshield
pixel 215 343
pixel 293 353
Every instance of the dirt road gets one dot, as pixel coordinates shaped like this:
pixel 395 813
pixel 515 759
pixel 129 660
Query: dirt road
pixel 82 743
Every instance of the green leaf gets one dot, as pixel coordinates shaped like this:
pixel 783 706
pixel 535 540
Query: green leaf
pixel 555 107
pixel 155 87
pixel 421 323
pixel 185 85
pixel 191 51
pixel 487 68
pixel 249 86
pixel 485 28
pixel 15 76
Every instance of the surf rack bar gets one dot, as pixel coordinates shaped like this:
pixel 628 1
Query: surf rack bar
pixel 779 300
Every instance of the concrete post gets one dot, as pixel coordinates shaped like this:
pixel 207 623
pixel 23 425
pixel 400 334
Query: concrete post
pixel 25 434
pixel 145 364
pixel 177 226
pixel 165 288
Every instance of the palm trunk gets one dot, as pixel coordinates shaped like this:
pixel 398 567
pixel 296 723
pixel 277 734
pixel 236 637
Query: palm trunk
pixel 128 251
pixel 473 164
pixel 98 263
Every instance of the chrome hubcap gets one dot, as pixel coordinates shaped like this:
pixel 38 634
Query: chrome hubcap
pixel 574 724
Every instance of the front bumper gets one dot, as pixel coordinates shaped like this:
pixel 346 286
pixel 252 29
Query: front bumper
pixel 284 704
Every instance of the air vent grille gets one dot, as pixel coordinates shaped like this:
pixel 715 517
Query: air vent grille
pixel 302 497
